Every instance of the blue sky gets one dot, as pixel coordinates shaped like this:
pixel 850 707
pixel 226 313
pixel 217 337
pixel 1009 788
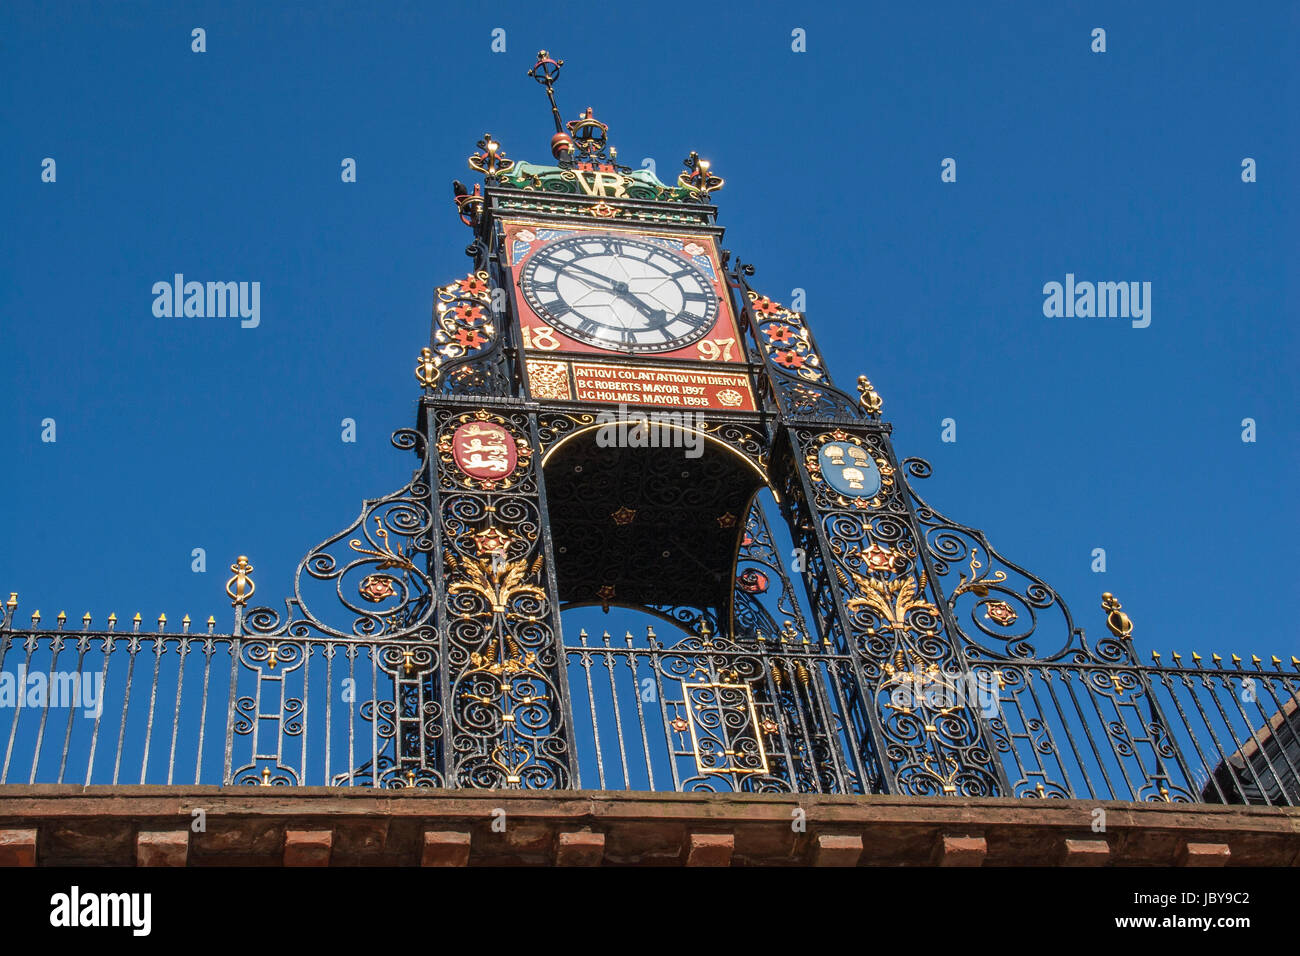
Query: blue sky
pixel 1073 434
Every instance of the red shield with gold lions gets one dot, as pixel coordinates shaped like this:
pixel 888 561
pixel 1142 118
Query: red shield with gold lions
pixel 484 450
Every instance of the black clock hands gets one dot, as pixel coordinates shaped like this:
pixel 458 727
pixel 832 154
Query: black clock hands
pixel 657 317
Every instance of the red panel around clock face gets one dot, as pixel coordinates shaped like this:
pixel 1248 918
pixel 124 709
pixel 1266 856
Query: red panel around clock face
pixel 598 290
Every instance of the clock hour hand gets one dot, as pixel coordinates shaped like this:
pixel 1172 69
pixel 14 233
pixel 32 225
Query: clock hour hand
pixel 656 316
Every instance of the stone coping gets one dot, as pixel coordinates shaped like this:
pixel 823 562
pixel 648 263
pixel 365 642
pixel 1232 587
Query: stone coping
pixel 55 825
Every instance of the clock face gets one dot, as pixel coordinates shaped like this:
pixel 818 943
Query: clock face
pixel 620 293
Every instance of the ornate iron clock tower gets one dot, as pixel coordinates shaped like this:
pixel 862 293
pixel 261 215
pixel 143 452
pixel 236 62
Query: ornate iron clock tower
pixel 601 295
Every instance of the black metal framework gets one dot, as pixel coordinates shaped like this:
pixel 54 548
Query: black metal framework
pixel 422 645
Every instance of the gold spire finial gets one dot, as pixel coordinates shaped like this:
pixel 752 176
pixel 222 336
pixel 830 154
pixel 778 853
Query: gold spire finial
pixel 1116 619
pixel 870 398
pixel 240 587
pixel 426 368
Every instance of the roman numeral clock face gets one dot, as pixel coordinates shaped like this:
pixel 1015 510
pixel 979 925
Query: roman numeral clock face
pixel 620 293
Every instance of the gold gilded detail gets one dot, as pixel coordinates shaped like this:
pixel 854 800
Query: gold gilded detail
pixel 240 587
pixel 1119 623
pixel 388 558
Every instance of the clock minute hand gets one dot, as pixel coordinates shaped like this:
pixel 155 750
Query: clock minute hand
pixel 574 267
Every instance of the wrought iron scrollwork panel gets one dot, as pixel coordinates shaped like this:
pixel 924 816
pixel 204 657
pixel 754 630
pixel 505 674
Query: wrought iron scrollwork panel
pixel 505 698
pixel 369 580
pixel 925 719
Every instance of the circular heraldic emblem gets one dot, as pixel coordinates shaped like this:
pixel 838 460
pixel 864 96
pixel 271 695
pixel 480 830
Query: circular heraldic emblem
pixel 484 450
pixel 849 469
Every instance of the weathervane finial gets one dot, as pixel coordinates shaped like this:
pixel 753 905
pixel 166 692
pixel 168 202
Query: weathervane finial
pixel 546 71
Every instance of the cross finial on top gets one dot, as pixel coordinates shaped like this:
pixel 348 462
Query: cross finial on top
pixel 546 71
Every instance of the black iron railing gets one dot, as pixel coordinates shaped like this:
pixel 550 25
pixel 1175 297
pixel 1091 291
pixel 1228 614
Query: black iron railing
pixel 692 713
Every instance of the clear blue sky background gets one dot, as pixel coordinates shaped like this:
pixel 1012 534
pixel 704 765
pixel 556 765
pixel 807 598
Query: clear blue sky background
pixel 1073 434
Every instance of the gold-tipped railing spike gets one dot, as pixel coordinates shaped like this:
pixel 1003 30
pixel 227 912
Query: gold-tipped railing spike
pixel 36 618
pixel 135 623
pixel 60 619
pixel 112 620
pixel 13 601
pixel 162 623
pixel 185 624
pixel 1116 620
pixel 85 621
pixel 212 623
pixel 1217 659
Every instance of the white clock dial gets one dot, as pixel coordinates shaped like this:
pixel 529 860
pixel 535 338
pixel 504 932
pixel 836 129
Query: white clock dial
pixel 620 293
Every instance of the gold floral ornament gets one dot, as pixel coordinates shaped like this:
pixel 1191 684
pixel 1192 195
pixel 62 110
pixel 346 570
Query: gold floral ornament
pixel 497 582
pixel 1000 612
pixel 892 600
pixel 698 178
pixel 388 558
pixel 881 559
pixel 492 540
pixel 515 662
pixel 784 337
pixel 462 323
pixel 978 583
pixel 240 587
pixel 376 587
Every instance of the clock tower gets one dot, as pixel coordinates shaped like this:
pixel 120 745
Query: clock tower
pixel 607 405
